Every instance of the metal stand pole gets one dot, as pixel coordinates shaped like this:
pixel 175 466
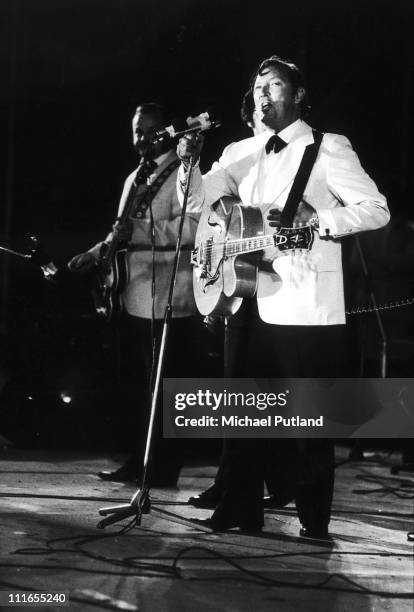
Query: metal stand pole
pixel 383 363
pixel 357 451
pixel 140 503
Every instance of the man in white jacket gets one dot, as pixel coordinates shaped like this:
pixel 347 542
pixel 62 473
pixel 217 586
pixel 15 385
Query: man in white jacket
pixel 295 327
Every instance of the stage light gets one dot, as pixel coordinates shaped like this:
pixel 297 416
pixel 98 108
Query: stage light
pixel 66 399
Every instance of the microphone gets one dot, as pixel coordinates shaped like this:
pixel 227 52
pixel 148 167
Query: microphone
pixel 41 258
pixel 179 127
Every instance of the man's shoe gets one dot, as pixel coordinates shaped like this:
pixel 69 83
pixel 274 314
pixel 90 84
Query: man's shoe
pixel 119 475
pixel 315 534
pixel 207 499
pixel 215 524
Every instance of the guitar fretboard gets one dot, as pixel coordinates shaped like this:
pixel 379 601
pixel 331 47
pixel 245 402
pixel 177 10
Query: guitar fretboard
pixel 248 245
pixel 285 239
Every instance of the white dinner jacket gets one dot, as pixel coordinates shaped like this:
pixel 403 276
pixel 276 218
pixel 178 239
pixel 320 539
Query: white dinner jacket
pixel 299 288
pixel 166 210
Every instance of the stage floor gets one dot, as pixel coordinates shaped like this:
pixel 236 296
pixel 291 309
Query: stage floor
pixel 49 542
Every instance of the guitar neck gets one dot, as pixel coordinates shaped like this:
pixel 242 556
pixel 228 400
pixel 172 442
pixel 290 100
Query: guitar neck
pixel 286 238
pixel 114 242
pixel 144 170
pixel 249 245
pixel 110 252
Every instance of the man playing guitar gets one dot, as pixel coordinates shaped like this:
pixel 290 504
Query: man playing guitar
pixel 150 216
pixel 294 326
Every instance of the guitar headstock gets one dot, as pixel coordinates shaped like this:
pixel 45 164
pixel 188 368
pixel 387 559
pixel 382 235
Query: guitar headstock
pixel 294 238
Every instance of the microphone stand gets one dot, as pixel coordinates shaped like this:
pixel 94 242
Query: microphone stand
pixel 17 253
pixel 357 451
pixel 37 256
pixel 140 503
pixel 373 300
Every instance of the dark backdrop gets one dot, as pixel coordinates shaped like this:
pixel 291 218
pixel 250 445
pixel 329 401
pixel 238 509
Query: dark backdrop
pixel 82 66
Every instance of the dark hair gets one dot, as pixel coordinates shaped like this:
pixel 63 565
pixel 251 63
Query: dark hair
pixel 290 71
pixel 158 111
pixel 247 107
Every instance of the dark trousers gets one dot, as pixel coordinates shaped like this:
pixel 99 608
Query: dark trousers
pixel 182 359
pixel 306 466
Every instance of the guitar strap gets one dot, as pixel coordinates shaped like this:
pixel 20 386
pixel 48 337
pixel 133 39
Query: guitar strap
pixel 143 199
pixel 301 179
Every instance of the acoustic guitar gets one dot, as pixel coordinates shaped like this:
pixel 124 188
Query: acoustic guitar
pixel 229 241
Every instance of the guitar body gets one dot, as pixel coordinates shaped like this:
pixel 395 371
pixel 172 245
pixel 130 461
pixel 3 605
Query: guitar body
pixel 230 240
pixel 221 282
pixel 108 283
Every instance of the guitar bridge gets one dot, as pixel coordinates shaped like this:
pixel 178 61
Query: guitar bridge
pixel 198 262
pixel 194 257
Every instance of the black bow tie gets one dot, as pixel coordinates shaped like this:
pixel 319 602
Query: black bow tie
pixel 275 143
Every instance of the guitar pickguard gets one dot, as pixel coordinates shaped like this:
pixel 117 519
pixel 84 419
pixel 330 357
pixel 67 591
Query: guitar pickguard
pixel 205 258
pixel 208 258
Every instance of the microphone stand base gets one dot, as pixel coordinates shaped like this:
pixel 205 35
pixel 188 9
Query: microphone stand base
pixel 140 504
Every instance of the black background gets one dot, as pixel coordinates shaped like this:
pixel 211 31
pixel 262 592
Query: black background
pixel 82 66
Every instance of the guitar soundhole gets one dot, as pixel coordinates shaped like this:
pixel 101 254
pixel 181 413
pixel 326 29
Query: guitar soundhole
pixel 211 281
pixel 213 223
